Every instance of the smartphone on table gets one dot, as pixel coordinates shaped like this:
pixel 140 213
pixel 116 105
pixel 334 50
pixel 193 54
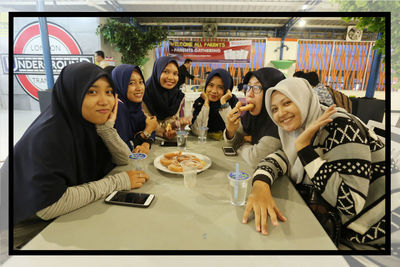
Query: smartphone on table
pixel 169 143
pixel 229 151
pixel 127 198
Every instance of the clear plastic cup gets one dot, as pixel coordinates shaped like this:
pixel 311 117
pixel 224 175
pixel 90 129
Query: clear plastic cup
pixel 138 159
pixel 189 173
pixel 203 134
pixel 238 187
pixel 181 139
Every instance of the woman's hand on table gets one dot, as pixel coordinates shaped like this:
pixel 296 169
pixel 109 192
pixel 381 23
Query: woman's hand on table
pixel 263 205
pixel 137 178
pixel 233 120
pixel 143 148
pixel 304 139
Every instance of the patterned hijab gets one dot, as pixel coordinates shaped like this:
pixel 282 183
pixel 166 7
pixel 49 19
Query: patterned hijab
pixel 262 124
pixel 130 116
pixel 215 122
pixel 162 102
pixel 60 148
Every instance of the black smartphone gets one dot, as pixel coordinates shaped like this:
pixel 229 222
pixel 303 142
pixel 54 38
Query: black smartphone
pixel 229 151
pixel 169 143
pixel 126 198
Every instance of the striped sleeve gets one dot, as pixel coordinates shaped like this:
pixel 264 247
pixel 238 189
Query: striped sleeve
pixel 271 167
pixel 78 196
pixel 252 154
pixel 118 148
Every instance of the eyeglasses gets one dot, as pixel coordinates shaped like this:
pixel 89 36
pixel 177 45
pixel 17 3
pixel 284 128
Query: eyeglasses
pixel 256 89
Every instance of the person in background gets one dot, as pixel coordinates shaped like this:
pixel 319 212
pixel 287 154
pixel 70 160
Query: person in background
pixel 99 59
pixel 299 74
pixel 184 72
pixel 322 92
pixel 163 98
pixel 331 156
pixel 62 161
pixel 255 126
pixel 210 107
pixel 134 128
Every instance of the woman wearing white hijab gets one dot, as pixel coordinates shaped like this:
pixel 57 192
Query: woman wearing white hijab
pixel 330 152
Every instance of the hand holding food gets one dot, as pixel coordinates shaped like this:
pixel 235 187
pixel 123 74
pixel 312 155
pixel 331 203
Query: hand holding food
pixel 247 107
pixel 169 127
pixel 233 120
pixel 169 133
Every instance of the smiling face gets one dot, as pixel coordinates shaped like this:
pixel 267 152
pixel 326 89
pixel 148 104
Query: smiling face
pixel 98 102
pixel 252 98
pixel 215 89
pixel 136 88
pixel 284 112
pixel 169 76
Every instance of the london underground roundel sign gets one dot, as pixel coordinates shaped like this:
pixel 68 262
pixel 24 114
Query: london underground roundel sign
pixel 28 56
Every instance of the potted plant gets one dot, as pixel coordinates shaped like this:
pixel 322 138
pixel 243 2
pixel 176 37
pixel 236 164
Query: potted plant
pixel 131 40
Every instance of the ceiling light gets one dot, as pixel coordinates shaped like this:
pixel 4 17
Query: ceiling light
pixel 302 23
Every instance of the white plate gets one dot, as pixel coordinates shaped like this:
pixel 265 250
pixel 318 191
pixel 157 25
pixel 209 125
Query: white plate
pixel 161 167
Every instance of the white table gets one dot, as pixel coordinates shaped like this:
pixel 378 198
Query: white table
pixel 185 219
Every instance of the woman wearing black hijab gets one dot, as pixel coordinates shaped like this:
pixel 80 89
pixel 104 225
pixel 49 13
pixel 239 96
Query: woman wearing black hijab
pixel 163 98
pixel 211 105
pixel 255 126
pixel 61 162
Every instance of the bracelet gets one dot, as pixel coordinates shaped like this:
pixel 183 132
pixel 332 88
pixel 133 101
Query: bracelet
pixel 225 105
pixel 146 134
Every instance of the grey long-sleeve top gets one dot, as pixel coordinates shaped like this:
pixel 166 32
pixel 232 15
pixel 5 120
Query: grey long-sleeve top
pixel 78 196
pixel 252 154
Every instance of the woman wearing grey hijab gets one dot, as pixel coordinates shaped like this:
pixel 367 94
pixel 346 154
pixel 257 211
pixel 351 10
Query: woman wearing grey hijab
pixel 330 152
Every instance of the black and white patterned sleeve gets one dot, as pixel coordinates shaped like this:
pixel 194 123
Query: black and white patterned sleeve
pixel 341 170
pixel 271 167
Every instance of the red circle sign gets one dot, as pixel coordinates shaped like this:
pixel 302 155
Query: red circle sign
pixel 26 43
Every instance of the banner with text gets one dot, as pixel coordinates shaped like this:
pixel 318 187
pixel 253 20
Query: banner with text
pixel 211 51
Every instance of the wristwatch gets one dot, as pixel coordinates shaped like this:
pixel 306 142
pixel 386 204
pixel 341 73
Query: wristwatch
pixel 146 134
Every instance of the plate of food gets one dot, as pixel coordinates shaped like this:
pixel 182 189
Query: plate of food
pixel 173 162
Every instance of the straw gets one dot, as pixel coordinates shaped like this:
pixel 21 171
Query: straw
pixel 179 124
pixel 236 181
